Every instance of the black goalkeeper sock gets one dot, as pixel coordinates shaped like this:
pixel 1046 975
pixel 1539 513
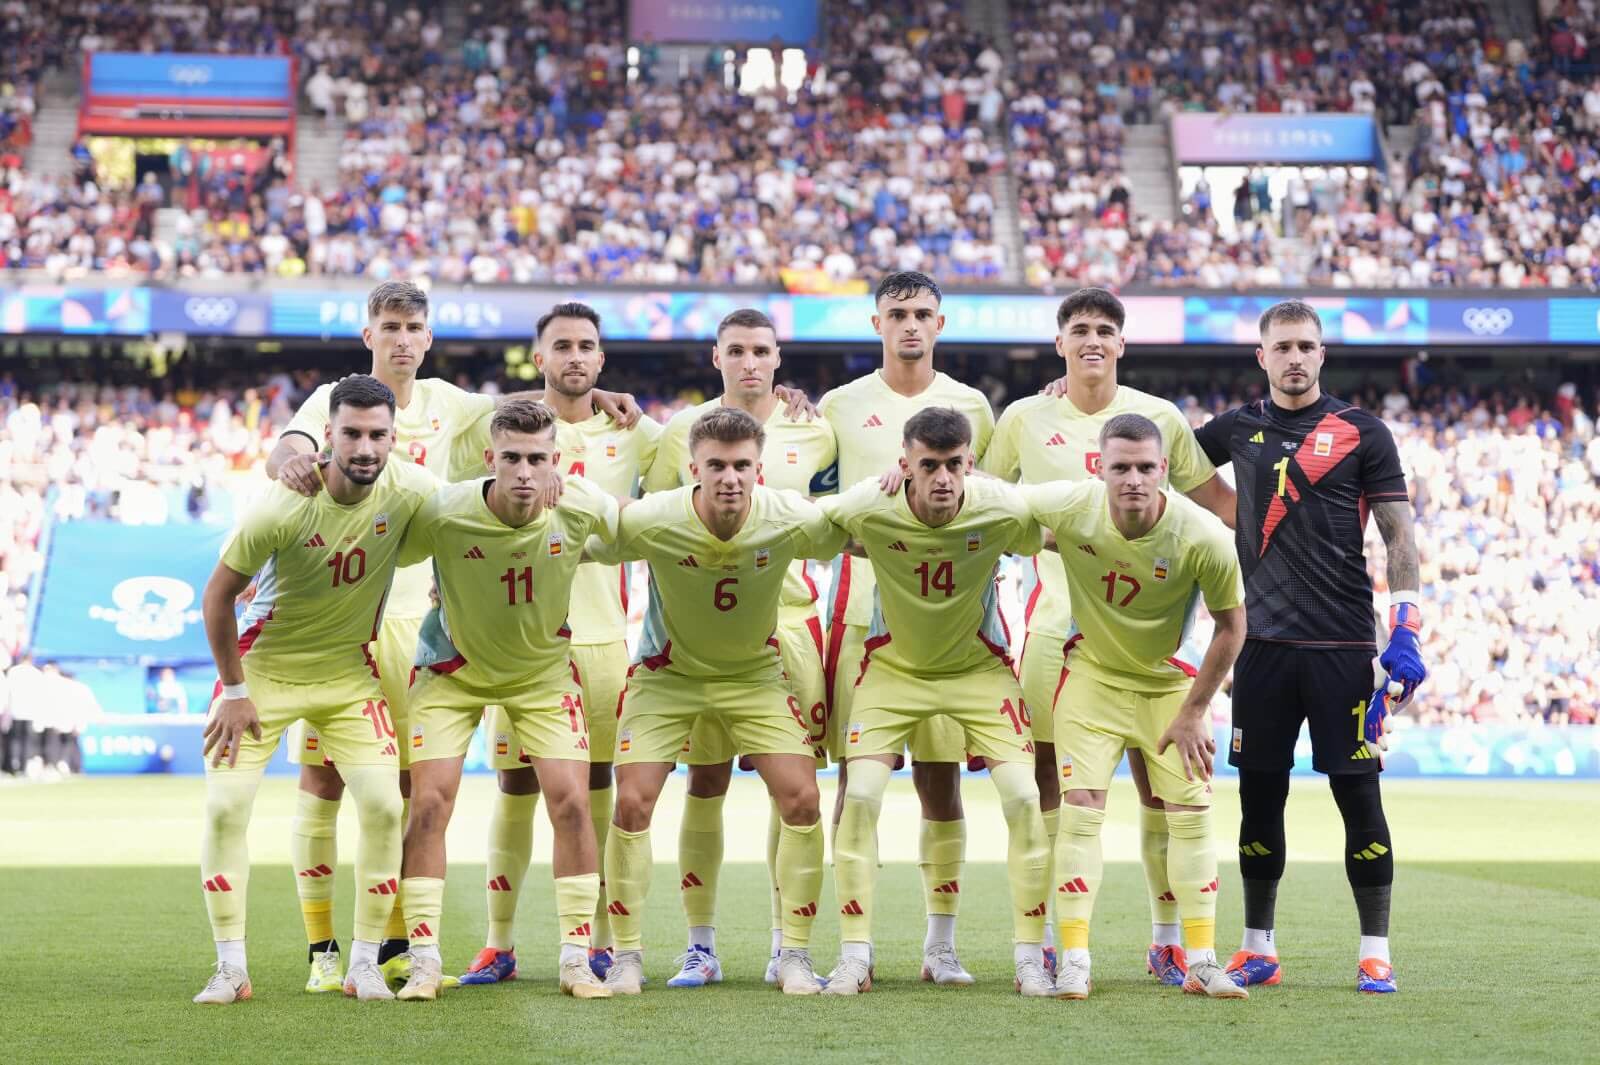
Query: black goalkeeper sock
pixel 321 947
pixel 392 948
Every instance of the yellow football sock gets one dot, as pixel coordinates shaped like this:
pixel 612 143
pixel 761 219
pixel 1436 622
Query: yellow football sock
pixel 510 851
pixel 1079 868
pixel 376 791
pixel 1192 866
pixel 424 908
pixel 1052 829
pixel 398 928
pixel 941 849
pixel 314 850
pixel 575 905
pixel 1153 845
pixel 799 871
pixel 774 834
pixel 224 858
pixel 700 858
pixel 600 816
pixel 855 850
pixel 628 865
pixel 1026 850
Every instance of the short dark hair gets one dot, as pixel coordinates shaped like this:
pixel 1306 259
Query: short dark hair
pixel 570 309
pixel 402 296
pixel 726 425
pixel 361 391
pixel 904 284
pixel 1288 312
pixel 746 318
pixel 1134 427
pixel 1091 301
pixel 518 414
pixel 938 428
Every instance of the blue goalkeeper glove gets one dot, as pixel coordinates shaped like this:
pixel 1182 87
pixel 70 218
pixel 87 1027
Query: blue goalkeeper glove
pixel 1402 662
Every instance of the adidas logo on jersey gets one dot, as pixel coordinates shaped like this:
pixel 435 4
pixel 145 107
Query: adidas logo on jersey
pixel 1086 549
pixel 688 560
pixel 898 546
pixel 476 552
pixel 1259 438
pixel 316 541
pixel 1055 441
pixel 873 422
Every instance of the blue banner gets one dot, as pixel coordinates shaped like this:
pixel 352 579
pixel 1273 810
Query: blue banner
pixel 126 591
pixel 1280 140
pixel 190 76
pixel 1484 319
pixel 723 21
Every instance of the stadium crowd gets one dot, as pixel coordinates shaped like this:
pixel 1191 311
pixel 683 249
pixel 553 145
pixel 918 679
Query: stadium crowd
pixel 1506 488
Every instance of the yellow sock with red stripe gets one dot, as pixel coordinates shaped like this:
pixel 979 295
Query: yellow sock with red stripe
pixel 855 850
pixel 600 817
pixel 1026 868
pixel 1154 840
pixel 575 905
pixel 314 850
pixel 424 907
pixel 1192 868
pixel 224 858
pixel 799 875
pixel 941 850
pixel 1080 865
pixel 628 866
pixel 398 927
pixel 700 858
pixel 377 797
pixel 510 851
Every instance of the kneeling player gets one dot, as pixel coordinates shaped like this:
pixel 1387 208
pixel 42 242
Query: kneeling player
pixel 493 641
pixel 937 647
pixel 1137 558
pixel 718 551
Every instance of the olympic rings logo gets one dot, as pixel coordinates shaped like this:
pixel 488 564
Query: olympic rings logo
pixel 189 75
pixel 1487 321
pixel 210 311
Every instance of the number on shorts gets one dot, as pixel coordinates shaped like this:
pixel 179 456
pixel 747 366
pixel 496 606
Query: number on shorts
pixel 799 715
pixel 1359 711
pixel 377 711
pixel 573 705
pixel 722 598
pixel 1017 714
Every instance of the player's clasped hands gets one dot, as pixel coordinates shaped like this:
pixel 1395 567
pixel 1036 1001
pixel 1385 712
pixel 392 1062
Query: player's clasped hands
pixel 234 717
pixel 1191 733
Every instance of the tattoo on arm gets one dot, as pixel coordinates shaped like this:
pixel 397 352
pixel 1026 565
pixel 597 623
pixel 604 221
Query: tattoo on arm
pixel 1395 524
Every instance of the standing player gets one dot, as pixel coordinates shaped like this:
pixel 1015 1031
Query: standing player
pixel 798 456
pixel 432 418
pixel 495 640
pixel 1137 560
pixel 594 445
pixel 718 553
pixel 1307 467
pixel 868 417
pixel 324 565
pixel 937 648
pixel 1056 437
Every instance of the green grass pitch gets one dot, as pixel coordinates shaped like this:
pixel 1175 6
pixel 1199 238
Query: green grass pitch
pixel 1497 901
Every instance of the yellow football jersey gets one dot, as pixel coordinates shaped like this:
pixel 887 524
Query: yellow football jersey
pixel 936 612
pixel 713 603
pixel 504 593
pixel 1044 438
pixel 322 572
pixel 868 418
pixel 798 457
pixel 426 431
pixel 1133 601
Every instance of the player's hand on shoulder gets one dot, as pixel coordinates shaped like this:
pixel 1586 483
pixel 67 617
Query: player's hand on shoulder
pixel 621 406
pixel 234 717
pixel 1055 389
pixel 891 480
pixel 302 474
pixel 1190 732
pixel 795 403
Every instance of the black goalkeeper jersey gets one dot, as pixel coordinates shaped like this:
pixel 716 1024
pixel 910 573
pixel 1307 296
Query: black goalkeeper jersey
pixel 1305 478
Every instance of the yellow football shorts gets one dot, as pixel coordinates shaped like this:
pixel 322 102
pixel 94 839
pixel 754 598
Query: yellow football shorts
pixel 756 711
pixel 348 714
pixel 545 719
pixel 1096 722
pixel 800 648
pixel 935 739
pixel 982 709
pixel 1039 672
pixel 602 674
pixel 396 649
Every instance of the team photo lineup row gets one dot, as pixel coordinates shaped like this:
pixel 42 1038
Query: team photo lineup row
pixel 428 559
